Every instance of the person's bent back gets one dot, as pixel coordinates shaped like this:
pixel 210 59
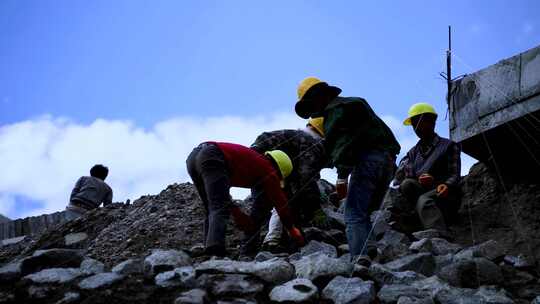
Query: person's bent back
pixel 90 192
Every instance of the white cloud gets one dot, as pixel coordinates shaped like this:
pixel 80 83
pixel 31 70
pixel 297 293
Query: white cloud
pixel 42 158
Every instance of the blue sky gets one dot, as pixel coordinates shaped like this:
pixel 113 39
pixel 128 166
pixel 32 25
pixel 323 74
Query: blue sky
pixel 145 63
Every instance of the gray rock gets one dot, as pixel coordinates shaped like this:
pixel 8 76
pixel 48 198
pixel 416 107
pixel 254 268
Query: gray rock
pixel 74 239
pixel 490 250
pixel 164 260
pixel 343 249
pixel 392 293
pixel 346 257
pixel 51 258
pixel 515 278
pixel 417 290
pixel 237 301
pixel 54 275
pixel 231 285
pixel 409 300
pixel 393 244
pixel 12 241
pixel 11 272
pixel 319 268
pixel 343 290
pixel 423 263
pixel 380 220
pixel 536 300
pixel 295 257
pixel 90 266
pixel 484 295
pixel 427 234
pixel 392 237
pixel 6 297
pixel 490 294
pixel 315 246
pixel 337 218
pixel 382 276
pixel 264 256
pixel 520 261
pixel 442 247
pixel 69 297
pixel 182 276
pixel 194 296
pixel 443 260
pixel 423 245
pixel 472 273
pixel 39 292
pixel 275 271
pixel 131 266
pixel 100 280
pixel 437 246
pixel 295 291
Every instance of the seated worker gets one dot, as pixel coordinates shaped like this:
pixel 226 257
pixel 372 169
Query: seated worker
pixel 214 167
pixel 305 147
pixel 428 176
pixel 89 192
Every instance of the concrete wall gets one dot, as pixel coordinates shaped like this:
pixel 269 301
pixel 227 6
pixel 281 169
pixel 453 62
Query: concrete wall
pixel 496 111
pixel 30 225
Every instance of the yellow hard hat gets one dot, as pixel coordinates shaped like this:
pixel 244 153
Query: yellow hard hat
pixel 419 109
pixel 282 160
pixel 318 124
pixel 305 85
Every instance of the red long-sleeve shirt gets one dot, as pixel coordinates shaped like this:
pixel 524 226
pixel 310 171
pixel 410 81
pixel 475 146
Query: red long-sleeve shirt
pixel 248 168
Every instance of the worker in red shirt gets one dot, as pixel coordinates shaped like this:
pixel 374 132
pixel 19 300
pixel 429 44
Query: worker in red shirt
pixel 214 167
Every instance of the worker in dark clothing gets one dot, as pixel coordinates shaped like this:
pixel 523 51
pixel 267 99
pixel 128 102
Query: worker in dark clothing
pixel 428 176
pixel 359 144
pixel 89 192
pixel 214 167
pixel 306 149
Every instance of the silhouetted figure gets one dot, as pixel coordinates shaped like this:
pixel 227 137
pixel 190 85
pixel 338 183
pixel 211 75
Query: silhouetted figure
pixel 89 192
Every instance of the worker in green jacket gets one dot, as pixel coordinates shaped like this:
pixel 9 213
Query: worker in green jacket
pixel 358 144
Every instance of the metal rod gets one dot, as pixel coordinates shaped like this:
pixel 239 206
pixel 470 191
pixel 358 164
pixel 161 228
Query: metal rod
pixel 449 65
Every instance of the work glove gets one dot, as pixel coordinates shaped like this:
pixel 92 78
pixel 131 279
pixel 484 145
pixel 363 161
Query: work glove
pixel 442 191
pixel 321 220
pixel 426 180
pixel 341 188
pixel 297 236
pixel 242 220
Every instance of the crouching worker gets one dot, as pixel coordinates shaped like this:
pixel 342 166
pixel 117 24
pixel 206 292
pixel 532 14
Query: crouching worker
pixel 214 167
pixel 428 176
pixel 306 149
pixel 89 192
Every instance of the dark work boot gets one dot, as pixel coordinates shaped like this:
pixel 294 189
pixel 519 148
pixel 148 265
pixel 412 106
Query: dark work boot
pixel 215 250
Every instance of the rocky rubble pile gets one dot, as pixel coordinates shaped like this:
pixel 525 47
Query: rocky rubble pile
pixel 148 252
